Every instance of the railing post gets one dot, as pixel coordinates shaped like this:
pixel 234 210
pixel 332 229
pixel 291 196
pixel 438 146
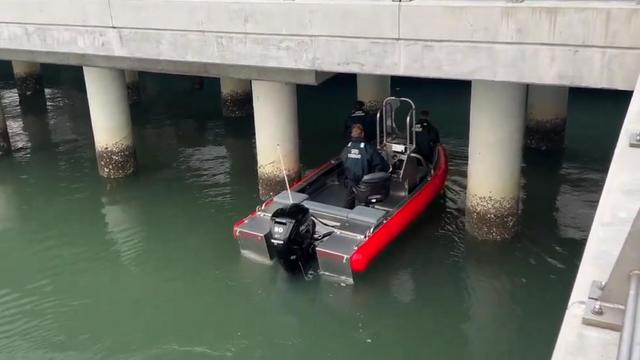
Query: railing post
pixel 614 304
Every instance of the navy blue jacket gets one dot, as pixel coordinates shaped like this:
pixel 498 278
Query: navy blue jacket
pixel 427 138
pixel 361 158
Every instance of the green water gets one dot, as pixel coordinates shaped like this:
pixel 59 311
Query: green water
pixel 146 267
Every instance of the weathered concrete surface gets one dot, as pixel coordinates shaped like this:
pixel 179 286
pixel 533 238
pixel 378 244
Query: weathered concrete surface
pixel 546 117
pixel 617 208
pixel 5 143
pixel 27 77
pixel 276 123
pixel 537 42
pixel 236 97
pixel 116 160
pixel 110 121
pixel 492 218
pixel 495 156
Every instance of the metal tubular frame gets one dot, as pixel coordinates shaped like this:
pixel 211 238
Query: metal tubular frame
pixel 629 345
pixel 411 121
pixel 614 305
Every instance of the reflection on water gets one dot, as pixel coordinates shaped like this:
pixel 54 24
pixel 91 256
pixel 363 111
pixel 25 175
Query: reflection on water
pixel 124 230
pixel 146 267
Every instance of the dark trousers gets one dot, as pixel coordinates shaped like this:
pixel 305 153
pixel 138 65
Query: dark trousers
pixel 349 195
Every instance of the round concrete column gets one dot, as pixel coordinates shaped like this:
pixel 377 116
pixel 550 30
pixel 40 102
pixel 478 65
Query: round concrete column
pixel 495 152
pixel 546 117
pixel 373 89
pixel 5 144
pixel 111 121
pixel 28 78
pixel 133 86
pixel 276 121
pixel 236 97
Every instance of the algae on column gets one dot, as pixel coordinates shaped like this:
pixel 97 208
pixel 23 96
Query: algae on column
pixel 276 123
pixel 111 121
pixel 236 97
pixel 28 78
pixel 546 117
pixel 496 128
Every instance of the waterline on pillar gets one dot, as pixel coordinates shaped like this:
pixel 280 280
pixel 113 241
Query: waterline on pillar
pixel 491 218
pixel 116 160
pixel 237 104
pixel 271 182
pixel 28 85
pixel 545 134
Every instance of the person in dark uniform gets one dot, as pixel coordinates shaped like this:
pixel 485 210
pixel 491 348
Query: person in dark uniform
pixel 360 116
pixel 427 137
pixel 359 158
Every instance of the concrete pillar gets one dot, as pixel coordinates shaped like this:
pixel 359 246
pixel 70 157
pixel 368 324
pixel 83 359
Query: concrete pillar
pixel 276 122
pixel 28 78
pixel 5 144
pixel 236 97
pixel 111 121
pixel 373 89
pixel 495 154
pixel 546 117
pixel 133 86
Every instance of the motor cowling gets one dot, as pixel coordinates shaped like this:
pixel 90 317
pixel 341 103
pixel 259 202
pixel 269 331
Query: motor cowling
pixel 291 237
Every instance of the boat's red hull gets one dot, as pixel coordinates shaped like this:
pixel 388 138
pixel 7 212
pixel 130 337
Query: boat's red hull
pixel 384 235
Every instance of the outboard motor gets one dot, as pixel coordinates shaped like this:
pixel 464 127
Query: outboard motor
pixel 292 232
pixel 373 188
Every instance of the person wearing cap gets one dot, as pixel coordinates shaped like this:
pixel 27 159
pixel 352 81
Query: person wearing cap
pixel 427 136
pixel 359 158
pixel 360 116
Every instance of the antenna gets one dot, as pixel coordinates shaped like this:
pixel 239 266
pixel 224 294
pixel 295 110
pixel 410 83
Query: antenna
pixel 284 173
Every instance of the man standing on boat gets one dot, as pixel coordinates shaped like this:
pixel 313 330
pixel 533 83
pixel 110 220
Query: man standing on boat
pixel 359 158
pixel 427 136
pixel 360 116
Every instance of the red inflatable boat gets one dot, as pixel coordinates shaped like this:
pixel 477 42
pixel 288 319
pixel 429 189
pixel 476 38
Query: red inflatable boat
pixel 310 225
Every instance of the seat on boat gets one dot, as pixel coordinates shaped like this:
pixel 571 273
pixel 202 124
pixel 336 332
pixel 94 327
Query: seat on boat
pixel 283 197
pixel 326 209
pixel 373 188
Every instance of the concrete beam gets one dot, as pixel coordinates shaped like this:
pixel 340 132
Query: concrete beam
pixel 59 12
pixel 578 23
pixel 537 43
pixel 300 17
pixel 192 68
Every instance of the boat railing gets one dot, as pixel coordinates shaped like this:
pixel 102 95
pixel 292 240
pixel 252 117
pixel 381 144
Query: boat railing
pixel 387 111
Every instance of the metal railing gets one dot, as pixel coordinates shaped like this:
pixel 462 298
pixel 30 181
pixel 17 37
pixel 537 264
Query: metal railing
pixel 629 345
pixel 614 304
